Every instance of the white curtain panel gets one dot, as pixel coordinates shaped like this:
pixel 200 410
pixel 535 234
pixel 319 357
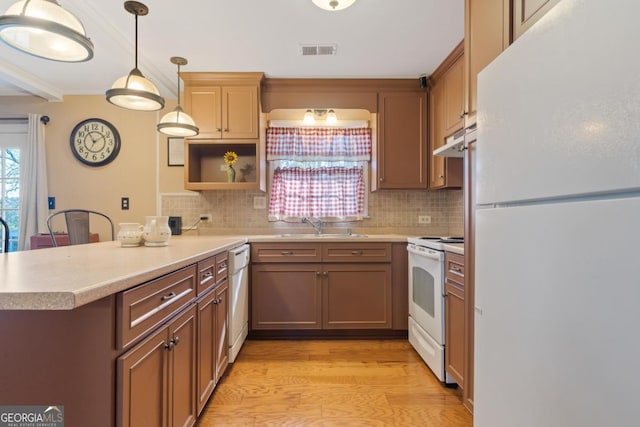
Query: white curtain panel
pixel 34 191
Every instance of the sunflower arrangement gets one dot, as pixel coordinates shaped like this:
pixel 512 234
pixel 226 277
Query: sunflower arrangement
pixel 230 158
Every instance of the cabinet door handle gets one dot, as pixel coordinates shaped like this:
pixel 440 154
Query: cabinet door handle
pixel 169 345
pixel 381 179
pixel 456 269
pixel 225 130
pixel 222 268
pixel 318 273
pixel 325 274
pixel 464 113
pixel 176 340
pixel 357 252
pixel 219 129
pixel 286 253
pixel 168 297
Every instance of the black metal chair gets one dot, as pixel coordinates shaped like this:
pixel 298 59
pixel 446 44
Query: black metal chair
pixel 4 233
pixel 77 221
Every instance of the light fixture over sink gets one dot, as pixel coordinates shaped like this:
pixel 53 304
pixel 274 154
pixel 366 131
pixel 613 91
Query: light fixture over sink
pixel 134 91
pixel 329 116
pixel 333 5
pixel 45 29
pixel 177 122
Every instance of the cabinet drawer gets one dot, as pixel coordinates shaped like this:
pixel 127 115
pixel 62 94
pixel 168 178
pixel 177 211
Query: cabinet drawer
pixel 356 252
pixel 454 268
pixel 222 266
pixel 206 274
pixel 286 252
pixel 142 308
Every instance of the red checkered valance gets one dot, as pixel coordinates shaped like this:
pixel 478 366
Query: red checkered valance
pixel 328 192
pixel 303 144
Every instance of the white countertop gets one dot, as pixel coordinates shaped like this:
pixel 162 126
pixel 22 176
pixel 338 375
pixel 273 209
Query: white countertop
pixel 67 277
pixel 456 248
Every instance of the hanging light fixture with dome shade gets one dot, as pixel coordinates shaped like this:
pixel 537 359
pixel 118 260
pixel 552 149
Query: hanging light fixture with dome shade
pixel 177 122
pixel 333 5
pixel 45 29
pixel 134 91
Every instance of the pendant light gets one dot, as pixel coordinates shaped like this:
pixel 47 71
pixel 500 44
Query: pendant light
pixel 177 122
pixel 333 5
pixel 134 91
pixel 44 29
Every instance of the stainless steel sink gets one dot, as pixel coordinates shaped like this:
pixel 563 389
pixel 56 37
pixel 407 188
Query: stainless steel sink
pixel 323 236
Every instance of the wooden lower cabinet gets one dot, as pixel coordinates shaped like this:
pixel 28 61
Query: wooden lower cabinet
pixel 213 350
pixel 286 296
pixel 356 296
pixel 157 377
pixel 454 333
pixel 457 332
pixel 352 289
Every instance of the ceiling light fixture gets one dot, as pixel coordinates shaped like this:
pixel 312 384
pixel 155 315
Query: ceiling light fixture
pixel 332 118
pixel 45 29
pixel 177 122
pixel 308 118
pixel 333 5
pixel 134 91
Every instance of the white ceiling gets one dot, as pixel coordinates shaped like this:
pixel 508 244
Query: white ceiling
pixel 375 39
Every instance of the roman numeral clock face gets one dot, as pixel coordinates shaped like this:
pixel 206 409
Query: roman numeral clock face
pixel 95 142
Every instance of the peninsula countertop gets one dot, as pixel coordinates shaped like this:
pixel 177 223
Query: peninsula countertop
pixel 68 277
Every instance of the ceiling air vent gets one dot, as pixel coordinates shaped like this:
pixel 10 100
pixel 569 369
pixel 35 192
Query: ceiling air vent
pixel 318 49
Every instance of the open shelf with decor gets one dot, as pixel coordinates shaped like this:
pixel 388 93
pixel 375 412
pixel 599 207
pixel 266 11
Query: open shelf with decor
pixel 205 168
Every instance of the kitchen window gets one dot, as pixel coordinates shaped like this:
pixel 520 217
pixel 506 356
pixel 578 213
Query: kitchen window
pixel 318 172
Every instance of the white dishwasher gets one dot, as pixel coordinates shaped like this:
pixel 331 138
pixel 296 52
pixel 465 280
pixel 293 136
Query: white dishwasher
pixel 239 303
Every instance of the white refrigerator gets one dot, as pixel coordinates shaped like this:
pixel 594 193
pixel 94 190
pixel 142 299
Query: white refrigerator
pixel 557 322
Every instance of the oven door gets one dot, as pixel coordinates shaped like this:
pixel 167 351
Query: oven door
pixel 426 290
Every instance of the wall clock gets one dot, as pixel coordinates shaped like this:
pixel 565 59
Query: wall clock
pixel 95 142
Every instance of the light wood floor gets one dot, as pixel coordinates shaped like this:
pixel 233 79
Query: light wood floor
pixel 332 383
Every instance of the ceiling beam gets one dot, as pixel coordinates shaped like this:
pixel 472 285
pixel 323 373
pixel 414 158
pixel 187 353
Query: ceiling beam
pixel 29 83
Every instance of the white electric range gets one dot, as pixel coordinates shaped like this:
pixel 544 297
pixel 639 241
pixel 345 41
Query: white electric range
pixel 426 300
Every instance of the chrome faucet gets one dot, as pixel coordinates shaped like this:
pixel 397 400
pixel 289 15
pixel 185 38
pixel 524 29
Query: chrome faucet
pixel 318 226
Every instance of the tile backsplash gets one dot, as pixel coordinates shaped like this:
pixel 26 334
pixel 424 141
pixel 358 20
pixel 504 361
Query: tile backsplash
pixel 390 212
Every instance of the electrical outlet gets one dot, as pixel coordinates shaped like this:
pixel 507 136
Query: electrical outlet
pixel 206 217
pixel 124 203
pixel 424 219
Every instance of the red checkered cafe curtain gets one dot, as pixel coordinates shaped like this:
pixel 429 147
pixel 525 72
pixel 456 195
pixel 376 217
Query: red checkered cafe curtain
pixel 324 183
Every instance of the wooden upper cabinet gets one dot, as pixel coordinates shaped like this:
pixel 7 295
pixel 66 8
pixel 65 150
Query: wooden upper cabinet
pixel 453 81
pixel 402 140
pixel 223 105
pixel 487 34
pixel 528 12
pixel 446 108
